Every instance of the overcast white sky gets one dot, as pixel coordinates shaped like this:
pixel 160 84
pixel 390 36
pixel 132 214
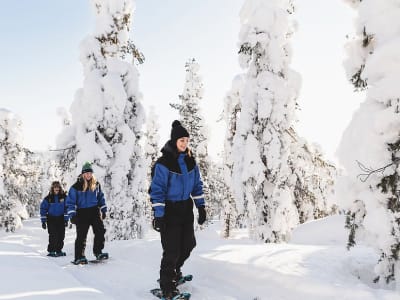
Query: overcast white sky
pixel 41 70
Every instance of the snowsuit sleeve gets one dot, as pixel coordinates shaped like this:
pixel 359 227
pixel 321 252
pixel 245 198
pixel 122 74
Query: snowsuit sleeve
pixel 159 189
pixel 71 202
pixel 197 193
pixel 44 209
pixel 100 199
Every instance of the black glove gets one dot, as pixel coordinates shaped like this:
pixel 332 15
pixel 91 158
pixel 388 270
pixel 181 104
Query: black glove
pixel 158 224
pixel 66 223
pixel 103 215
pixel 44 225
pixel 202 215
pixel 73 220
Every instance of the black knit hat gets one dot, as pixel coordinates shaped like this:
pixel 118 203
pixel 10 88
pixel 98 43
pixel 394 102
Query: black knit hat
pixel 87 167
pixel 178 131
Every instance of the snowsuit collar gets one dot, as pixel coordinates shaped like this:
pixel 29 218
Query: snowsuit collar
pixel 171 156
pixel 52 198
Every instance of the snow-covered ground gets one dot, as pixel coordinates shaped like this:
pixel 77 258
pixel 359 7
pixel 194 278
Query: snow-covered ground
pixel 315 265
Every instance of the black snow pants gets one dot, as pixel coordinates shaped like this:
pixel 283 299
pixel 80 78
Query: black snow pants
pixel 177 241
pixel 56 230
pixel 87 217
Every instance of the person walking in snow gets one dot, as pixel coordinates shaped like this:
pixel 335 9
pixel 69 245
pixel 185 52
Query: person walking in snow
pixel 176 184
pixel 54 218
pixel 87 207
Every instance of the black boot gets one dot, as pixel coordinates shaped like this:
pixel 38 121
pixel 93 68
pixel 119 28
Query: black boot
pixel 52 254
pixel 60 253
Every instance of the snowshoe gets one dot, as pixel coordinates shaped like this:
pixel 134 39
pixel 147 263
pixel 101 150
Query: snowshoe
pixel 101 256
pixel 52 254
pixel 175 295
pixel 80 261
pixel 182 279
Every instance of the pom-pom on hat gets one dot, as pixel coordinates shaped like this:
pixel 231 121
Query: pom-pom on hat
pixel 87 167
pixel 178 131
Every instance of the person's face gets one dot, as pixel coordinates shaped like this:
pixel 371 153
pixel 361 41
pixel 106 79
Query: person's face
pixel 56 189
pixel 182 144
pixel 87 176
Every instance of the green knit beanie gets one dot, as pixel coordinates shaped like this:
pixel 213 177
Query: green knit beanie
pixel 87 167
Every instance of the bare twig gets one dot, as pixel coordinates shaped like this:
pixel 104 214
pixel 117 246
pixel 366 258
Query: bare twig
pixel 368 171
pixel 62 149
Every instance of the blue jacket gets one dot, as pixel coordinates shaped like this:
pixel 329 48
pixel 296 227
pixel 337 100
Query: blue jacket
pixel 77 198
pixel 176 177
pixel 54 206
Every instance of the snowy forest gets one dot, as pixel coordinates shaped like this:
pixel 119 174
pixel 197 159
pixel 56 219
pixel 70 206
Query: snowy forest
pixel 269 180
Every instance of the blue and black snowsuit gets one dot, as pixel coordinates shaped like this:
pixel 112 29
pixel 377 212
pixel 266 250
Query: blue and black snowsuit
pixel 86 207
pixel 176 183
pixel 54 211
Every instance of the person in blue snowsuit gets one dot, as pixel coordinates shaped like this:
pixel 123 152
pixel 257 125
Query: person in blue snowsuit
pixel 86 207
pixel 54 218
pixel 176 185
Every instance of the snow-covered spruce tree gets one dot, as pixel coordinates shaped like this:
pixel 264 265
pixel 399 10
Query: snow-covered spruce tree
pixel 152 138
pixel 372 137
pixel 193 120
pixel 218 189
pixel 261 148
pixel 107 120
pixel 32 169
pixel 226 208
pixel 65 156
pixel 314 180
pixel 19 198
pixel 231 217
